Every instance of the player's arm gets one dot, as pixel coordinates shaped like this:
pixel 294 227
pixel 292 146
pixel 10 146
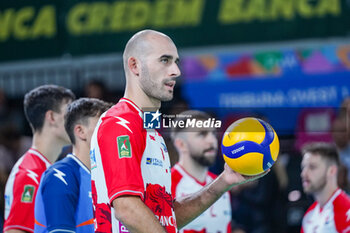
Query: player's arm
pixel 135 215
pixel 189 207
pixel 21 215
pixel 59 185
pixel 129 207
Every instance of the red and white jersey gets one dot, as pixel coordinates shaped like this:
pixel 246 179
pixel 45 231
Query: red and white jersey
pixel 217 218
pixel 334 217
pixel 128 160
pixel 21 188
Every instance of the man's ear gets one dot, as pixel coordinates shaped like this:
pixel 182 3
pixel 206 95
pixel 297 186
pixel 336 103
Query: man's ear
pixel 133 65
pixel 80 132
pixel 50 117
pixel 180 144
pixel 333 170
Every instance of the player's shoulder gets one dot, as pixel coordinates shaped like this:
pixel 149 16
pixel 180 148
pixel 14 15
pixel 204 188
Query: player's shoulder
pixel 122 115
pixel 124 108
pixel 66 164
pixel 64 171
pixel 33 161
pixel 30 166
pixel 341 205
pixel 342 202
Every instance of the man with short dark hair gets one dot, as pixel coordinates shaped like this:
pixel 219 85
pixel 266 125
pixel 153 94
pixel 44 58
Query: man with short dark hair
pixel 197 148
pixel 63 202
pixel 331 211
pixel 44 108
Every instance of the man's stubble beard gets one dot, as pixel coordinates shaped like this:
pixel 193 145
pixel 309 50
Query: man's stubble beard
pixel 202 160
pixel 151 88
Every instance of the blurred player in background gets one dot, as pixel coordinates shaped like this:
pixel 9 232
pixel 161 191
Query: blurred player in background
pixel 330 212
pixel 44 108
pixel 197 150
pixel 64 201
pixel 130 167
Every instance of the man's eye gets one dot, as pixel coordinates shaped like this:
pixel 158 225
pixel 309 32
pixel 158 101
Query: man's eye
pixel 164 60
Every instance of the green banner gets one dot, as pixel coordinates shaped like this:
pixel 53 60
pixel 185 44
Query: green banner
pixel 51 28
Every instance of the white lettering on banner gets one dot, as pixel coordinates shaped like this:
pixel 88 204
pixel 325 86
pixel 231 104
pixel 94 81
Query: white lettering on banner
pixel 321 95
pixel 293 97
pixel 252 99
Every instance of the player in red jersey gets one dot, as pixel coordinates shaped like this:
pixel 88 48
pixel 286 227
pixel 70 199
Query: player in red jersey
pixel 44 108
pixel 331 211
pixel 130 167
pixel 197 150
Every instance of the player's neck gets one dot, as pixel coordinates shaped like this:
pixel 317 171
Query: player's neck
pixel 47 145
pixel 194 169
pixel 323 196
pixel 139 97
pixel 82 152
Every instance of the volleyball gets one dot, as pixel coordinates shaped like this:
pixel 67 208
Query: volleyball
pixel 250 146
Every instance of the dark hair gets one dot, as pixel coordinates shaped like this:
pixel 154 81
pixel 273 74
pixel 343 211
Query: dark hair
pixel 325 150
pixel 80 110
pixel 42 99
pixel 188 114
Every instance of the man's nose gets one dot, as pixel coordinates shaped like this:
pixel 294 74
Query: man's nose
pixel 175 70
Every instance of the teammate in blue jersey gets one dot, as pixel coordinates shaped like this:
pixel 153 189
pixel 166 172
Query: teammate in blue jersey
pixel 64 201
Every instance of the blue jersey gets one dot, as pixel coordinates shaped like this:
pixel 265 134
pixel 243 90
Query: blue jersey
pixel 64 201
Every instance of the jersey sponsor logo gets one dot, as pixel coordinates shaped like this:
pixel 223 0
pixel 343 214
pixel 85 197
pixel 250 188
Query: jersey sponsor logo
pixel 151 120
pixel 161 204
pixel 167 220
pixel 123 123
pixel 93 159
pixel 28 194
pixel 60 175
pixel 33 176
pixel 348 215
pixel 124 147
pixel 122 228
pixel 154 161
